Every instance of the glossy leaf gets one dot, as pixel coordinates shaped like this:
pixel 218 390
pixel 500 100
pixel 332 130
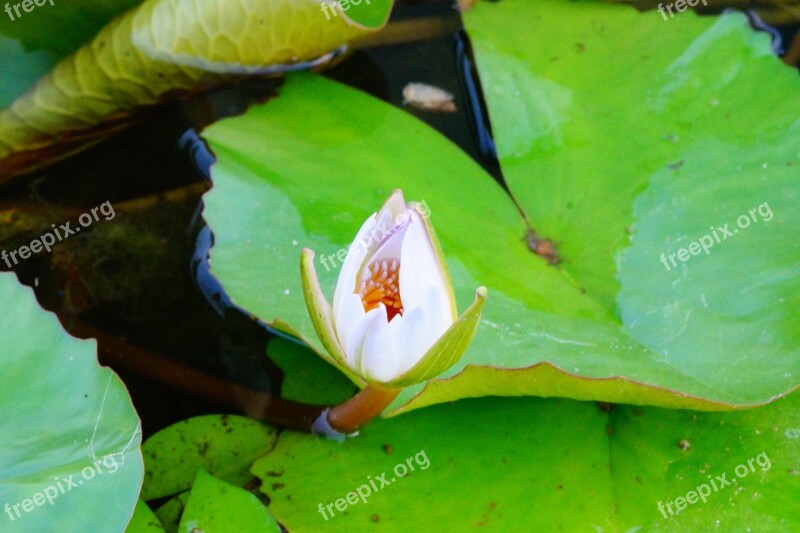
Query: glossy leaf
pixel 68 429
pixel 368 14
pixel 659 455
pixel 534 464
pixel 541 333
pixel 144 520
pixel 487 467
pixel 217 507
pixel 170 513
pixel 308 380
pixel 620 169
pixel 224 445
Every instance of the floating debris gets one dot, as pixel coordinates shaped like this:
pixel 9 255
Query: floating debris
pixel 544 248
pixel 428 98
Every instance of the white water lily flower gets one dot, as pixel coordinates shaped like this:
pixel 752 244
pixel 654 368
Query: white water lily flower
pixel 394 320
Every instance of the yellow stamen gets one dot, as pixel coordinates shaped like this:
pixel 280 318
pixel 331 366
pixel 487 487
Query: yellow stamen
pixel 380 283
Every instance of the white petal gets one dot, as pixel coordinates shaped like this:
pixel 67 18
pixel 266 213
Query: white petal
pixel 385 223
pixel 346 284
pixel 348 328
pixel 345 312
pixel 396 204
pixel 379 353
pixel 390 249
pixel 386 220
pixel 420 272
pixel 414 338
pixel 375 320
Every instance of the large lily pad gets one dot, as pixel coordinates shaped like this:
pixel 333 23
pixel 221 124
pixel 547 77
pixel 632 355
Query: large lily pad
pixel 509 456
pixel 158 49
pixel 658 456
pixel 67 423
pixel 543 465
pixel 502 464
pixel 622 150
pixel 542 333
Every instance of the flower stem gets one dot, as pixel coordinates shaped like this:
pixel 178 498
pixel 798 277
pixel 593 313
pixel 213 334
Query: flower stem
pixel 356 412
pixel 257 404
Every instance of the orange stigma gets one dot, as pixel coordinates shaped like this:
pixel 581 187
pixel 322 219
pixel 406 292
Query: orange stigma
pixel 380 283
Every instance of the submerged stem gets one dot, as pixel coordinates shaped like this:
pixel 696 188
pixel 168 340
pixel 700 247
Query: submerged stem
pixel 257 404
pixel 344 418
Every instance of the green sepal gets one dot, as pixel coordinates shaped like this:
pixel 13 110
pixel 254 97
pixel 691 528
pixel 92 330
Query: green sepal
pixel 322 316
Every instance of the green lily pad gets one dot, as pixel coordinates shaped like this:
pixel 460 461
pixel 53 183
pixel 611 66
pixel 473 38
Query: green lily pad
pixel 541 333
pixel 308 379
pixel 475 465
pixel 69 433
pixel 170 513
pixel 215 506
pixel 144 520
pixel 224 445
pixel 624 171
pixel 659 455
pixel 536 464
